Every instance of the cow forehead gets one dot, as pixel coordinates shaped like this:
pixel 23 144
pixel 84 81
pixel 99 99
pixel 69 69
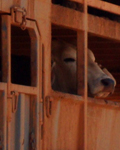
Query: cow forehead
pixel 63 50
pixel 69 53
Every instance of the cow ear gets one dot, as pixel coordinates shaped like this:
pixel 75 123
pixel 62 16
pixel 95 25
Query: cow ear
pixel 109 74
pixel 52 73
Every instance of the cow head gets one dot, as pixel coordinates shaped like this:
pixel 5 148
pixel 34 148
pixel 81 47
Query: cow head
pixel 100 82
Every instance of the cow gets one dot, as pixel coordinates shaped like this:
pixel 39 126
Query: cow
pixel 64 71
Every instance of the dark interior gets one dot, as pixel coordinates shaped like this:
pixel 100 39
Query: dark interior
pixel 20 56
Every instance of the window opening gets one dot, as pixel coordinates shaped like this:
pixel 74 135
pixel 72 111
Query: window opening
pixel 64 60
pixel 101 80
pixel 107 56
pixel 21 58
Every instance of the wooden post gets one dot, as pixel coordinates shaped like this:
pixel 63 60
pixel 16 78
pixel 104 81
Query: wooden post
pixel 82 44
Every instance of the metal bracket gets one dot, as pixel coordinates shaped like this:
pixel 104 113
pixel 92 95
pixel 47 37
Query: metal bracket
pixel 14 98
pixel 14 101
pixel 49 106
pixel 12 104
pixel 19 16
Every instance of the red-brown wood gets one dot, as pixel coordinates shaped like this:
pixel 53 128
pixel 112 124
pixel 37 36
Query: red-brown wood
pixel 54 120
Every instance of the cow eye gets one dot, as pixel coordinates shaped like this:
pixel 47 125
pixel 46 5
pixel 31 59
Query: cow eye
pixel 67 60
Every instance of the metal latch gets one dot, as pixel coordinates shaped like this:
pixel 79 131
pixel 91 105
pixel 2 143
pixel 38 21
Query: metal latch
pixel 19 16
pixel 12 104
pixel 14 101
pixel 49 100
pixel 14 98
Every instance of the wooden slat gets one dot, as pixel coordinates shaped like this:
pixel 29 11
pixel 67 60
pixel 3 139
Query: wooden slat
pixel 34 58
pixel 0 5
pixel 73 19
pixel 3 114
pixel 22 122
pixel 6 5
pixel 24 89
pixel 103 127
pixel 6 50
pixel 85 37
pixel 66 96
pixel 102 5
pixel 80 63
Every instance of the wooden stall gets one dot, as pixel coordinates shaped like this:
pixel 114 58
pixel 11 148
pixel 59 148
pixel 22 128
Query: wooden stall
pixel 35 117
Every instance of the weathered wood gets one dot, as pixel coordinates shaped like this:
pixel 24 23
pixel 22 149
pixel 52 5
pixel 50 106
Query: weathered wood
pixel 6 50
pixel 112 8
pixel 104 120
pixel 24 89
pixel 3 115
pixel 66 126
pixel 74 20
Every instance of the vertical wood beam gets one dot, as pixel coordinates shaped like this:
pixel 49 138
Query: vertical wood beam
pixel 82 43
pixel 6 63
pixel 86 64
pixel 6 50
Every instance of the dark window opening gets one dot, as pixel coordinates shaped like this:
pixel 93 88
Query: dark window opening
pixel 69 4
pixel 20 56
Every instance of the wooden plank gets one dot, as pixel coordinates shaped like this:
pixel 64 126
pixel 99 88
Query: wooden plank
pixel 85 74
pixel 103 126
pixel 106 6
pixel 66 119
pixel 22 122
pixel 74 19
pixel 100 26
pixel 24 89
pixel 66 96
pixel 23 3
pixel 6 50
pixel 0 5
pixel 3 115
pixel 6 5
pixel 34 43
pixel 35 131
pixel 30 6
pixel 82 46
pixel 80 62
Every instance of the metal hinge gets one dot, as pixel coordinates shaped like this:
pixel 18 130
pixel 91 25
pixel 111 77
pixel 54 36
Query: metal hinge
pixel 19 16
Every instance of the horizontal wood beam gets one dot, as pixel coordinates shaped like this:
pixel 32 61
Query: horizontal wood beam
pixel 105 6
pixel 99 26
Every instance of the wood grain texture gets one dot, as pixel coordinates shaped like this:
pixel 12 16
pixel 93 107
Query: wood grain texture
pixel 102 5
pixel 74 20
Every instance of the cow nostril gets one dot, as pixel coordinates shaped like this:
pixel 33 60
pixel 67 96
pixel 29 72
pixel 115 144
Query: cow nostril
pixel 107 82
